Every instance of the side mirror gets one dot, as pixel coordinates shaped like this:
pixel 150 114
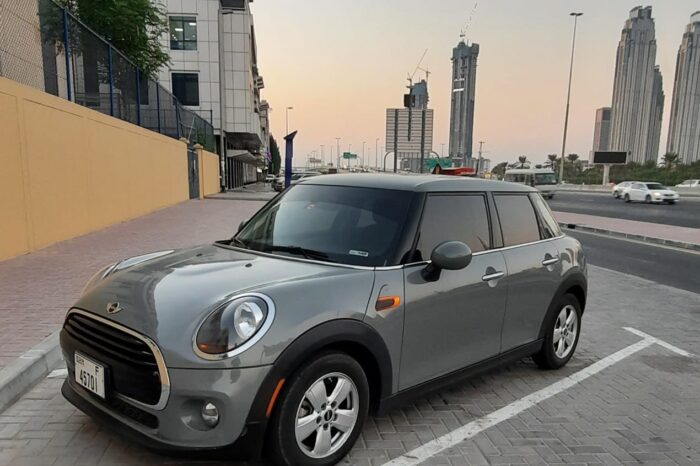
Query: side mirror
pixel 242 225
pixel 450 255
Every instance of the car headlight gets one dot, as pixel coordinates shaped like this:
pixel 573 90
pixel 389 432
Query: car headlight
pixel 234 327
pixel 657 194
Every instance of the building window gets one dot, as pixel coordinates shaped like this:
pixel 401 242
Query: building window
pixel 183 33
pixel 186 88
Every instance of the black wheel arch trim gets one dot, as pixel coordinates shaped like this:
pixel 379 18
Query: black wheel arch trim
pixel 331 334
pixel 573 280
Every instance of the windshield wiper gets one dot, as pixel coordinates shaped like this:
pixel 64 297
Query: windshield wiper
pixel 306 253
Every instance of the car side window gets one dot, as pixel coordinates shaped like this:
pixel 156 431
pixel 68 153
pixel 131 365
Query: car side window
pixel 453 218
pixel 550 227
pixel 518 221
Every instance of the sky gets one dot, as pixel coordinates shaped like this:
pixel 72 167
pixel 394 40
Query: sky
pixel 341 63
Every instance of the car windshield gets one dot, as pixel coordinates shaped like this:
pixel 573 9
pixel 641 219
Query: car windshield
pixel 655 186
pixel 348 225
pixel 545 178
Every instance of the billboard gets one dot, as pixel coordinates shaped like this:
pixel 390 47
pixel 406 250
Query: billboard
pixel 612 158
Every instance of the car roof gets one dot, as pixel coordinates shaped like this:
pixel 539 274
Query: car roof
pixel 527 171
pixel 416 183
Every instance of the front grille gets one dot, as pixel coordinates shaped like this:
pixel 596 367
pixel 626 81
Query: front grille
pixel 131 369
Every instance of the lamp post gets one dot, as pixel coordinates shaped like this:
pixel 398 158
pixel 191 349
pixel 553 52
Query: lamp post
pixel 286 113
pixel 323 154
pixel 376 154
pixel 568 98
pixel 337 141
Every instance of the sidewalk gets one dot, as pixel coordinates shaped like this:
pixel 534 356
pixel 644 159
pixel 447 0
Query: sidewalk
pixel 687 238
pixel 37 289
pixel 251 192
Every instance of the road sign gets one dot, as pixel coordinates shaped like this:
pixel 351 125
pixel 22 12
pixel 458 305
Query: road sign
pixel 349 155
pixel 612 158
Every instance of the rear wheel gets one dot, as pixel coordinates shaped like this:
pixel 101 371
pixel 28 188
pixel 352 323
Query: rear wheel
pixel 616 195
pixel 321 412
pixel 627 198
pixel 562 332
pixel 647 199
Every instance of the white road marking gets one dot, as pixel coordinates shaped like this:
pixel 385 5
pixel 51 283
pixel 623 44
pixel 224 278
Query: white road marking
pixel 58 374
pixel 668 346
pixel 427 450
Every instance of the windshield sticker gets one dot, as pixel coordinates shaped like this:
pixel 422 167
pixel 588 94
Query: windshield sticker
pixel 352 252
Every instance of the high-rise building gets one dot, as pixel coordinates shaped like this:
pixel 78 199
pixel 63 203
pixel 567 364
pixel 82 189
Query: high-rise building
pixel 409 130
pixel 637 95
pixel 684 130
pixel 464 58
pixel 601 136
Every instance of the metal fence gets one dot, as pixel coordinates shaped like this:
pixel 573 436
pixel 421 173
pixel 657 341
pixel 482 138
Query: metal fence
pixel 45 46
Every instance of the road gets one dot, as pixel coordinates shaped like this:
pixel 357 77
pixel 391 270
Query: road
pixel 668 266
pixel 684 214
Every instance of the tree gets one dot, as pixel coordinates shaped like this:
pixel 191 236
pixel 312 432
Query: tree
pixel 134 27
pixel 669 160
pixel 500 169
pixel 572 157
pixel 552 158
pixel 523 161
pixel 276 159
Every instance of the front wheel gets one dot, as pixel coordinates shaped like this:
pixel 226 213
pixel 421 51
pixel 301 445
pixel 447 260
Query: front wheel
pixel 627 198
pixel 321 412
pixel 562 332
pixel 647 199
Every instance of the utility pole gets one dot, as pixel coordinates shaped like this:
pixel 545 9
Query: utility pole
pixel 478 163
pixel 323 154
pixel 363 151
pixel 376 154
pixel 337 141
pixel 568 99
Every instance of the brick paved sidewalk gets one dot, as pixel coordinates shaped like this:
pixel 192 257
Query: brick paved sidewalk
pixel 36 289
pixel 631 227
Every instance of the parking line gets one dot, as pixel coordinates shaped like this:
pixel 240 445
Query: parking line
pixel 427 450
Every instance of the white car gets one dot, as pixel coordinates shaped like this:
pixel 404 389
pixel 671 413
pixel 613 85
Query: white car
pixel 689 184
pixel 278 184
pixel 649 193
pixel 619 188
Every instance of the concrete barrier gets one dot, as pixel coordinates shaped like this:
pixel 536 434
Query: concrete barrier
pixel 589 188
pixel 67 170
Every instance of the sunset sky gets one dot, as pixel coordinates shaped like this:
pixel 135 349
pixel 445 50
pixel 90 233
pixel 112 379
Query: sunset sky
pixel 340 64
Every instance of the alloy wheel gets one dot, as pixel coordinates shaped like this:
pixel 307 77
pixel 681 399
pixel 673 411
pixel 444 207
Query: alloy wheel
pixel 565 331
pixel 327 415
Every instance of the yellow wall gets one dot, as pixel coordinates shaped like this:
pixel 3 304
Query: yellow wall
pixel 66 170
pixel 209 182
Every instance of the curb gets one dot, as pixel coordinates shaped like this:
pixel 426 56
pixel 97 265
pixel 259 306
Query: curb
pixel 21 374
pixel 642 238
pixel 238 198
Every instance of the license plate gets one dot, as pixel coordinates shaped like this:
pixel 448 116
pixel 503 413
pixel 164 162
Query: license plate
pixel 90 375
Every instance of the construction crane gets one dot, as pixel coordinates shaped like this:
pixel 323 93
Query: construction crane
pixel 463 32
pixel 418 67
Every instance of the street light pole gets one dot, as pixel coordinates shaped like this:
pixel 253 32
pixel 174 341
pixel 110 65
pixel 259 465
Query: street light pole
pixel 287 117
pixel 337 141
pixel 323 154
pixel 376 154
pixel 568 98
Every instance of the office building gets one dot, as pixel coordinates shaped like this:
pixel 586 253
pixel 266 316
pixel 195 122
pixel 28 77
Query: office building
pixel 637 94
pixel 464 59
pixel 684 129
pixel 409 130
pixel 214 72
pixel 601 136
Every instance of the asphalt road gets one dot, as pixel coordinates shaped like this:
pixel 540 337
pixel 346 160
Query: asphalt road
pixel 684 214
pixel 668 266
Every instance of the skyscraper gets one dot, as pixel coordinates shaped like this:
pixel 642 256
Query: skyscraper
pixel 684 130
pixel 637 94
pixel 601 137
pixel 464 59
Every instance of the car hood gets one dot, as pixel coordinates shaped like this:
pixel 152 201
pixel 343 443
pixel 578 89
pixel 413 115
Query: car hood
pixel 167 298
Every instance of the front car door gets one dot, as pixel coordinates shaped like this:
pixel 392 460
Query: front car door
pixel 455 321
pixel 534 267
pixel 637 192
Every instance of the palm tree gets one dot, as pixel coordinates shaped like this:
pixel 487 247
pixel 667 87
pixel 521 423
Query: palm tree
pixel 669 160
pixel 523 160
pixel 572 157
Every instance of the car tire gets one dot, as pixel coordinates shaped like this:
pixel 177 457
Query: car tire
pixel 302 398
pixel 561 335
pixel 616 195
pixel 627 198
pixel 672 202
pixel 647 199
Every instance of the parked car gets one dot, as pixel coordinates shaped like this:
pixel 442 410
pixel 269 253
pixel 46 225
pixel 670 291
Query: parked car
pixel 689 184
pixel 649 193
pixel 340 298
pixel 278 184
pixel 543 179
pixel 269 178
pixel 618 189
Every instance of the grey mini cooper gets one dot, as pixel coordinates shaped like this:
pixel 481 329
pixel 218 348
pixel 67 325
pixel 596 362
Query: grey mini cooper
pixel 343 296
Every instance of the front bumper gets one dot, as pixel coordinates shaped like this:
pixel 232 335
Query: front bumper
pixel 178 425
pixel 665 198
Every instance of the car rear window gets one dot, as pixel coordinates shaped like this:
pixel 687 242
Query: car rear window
pixel 518 221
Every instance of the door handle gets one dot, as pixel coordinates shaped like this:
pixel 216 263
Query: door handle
pixel 551 261
pixel 493 276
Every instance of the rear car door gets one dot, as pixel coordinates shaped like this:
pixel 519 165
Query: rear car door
pixel 637 192
pixel 455 321
pixel 534 268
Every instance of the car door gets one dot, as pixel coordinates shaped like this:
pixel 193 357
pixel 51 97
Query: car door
pixel 534 268
pixel 637 192
pixel 455 321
